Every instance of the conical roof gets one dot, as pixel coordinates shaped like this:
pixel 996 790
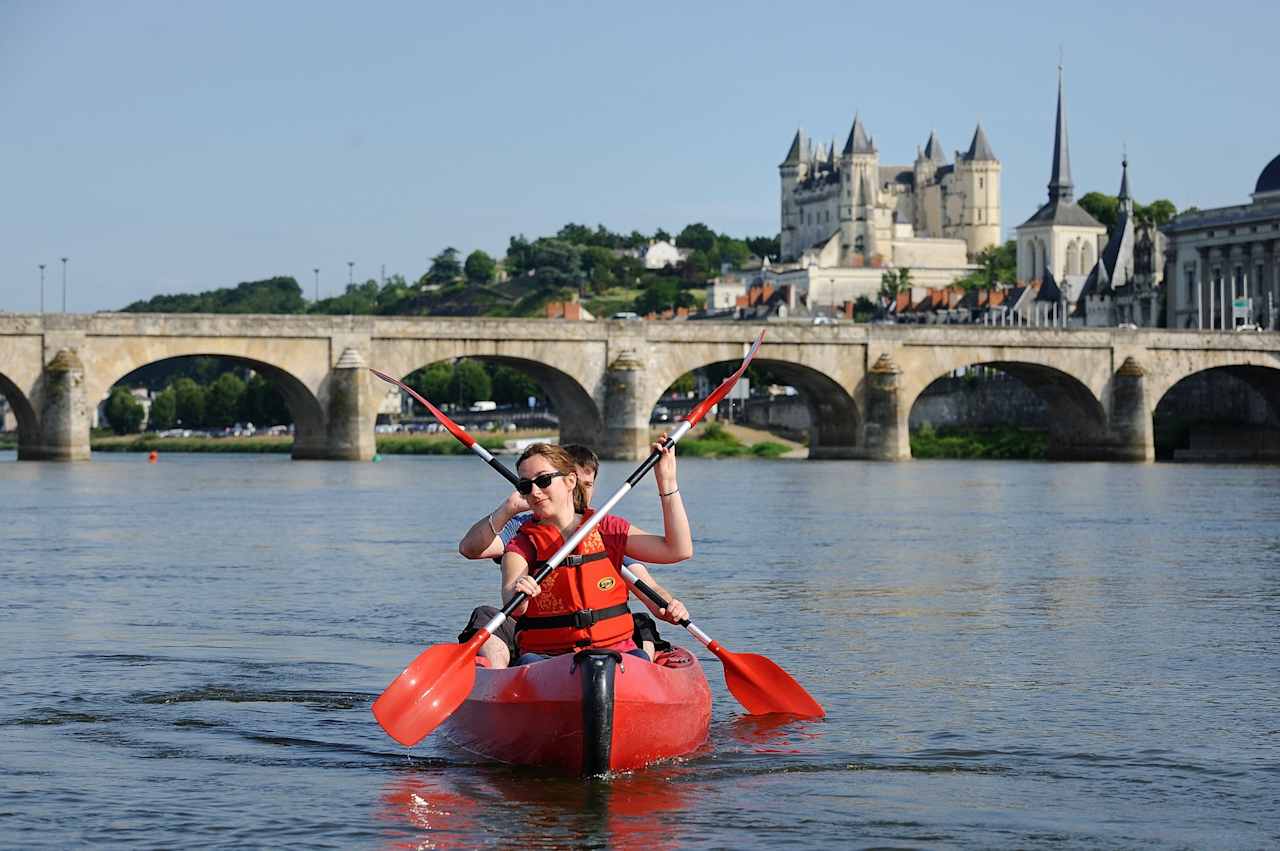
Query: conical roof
pixel 933 149
pixel 796 153
pixel 980 148
pixel 858 141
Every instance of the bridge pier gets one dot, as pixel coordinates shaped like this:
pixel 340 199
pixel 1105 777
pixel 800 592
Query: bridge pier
pixel 884 433
pixel 626 424
pixel 1131 426
pixel 347 433
pixel 62 413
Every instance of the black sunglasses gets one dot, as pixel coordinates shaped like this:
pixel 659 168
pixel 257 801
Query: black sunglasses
pixel 542 480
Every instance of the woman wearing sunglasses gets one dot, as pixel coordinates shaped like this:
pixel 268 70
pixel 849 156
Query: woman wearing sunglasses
pixel 582 603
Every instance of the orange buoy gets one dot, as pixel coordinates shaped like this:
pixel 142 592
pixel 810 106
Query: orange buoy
pixel 153 457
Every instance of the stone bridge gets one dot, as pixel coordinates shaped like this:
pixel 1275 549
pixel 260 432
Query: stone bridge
pixel 604 378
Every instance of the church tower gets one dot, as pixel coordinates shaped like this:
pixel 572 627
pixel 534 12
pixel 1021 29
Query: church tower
pixel 1061 238
pixel 978 179
pixel 793 169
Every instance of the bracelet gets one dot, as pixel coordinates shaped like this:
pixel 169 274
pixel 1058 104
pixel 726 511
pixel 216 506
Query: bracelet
pixel 491 529
pixel 670 492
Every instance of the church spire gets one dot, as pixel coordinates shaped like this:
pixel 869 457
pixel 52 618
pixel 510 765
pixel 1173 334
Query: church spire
pixel 1060 186
pixel 1126 202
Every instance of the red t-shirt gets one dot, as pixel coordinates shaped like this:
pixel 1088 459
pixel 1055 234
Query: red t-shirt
pixel 613 531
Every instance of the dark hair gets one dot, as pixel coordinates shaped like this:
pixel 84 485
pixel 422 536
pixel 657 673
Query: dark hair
pixel 564 463
pixel 582 456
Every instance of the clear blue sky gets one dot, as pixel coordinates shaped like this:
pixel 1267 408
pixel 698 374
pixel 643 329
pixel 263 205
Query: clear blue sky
pixel 175 147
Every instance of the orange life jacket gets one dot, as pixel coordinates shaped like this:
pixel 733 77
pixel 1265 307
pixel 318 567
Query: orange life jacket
pixel 583 602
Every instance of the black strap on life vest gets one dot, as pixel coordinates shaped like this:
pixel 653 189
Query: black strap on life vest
pixel 583 619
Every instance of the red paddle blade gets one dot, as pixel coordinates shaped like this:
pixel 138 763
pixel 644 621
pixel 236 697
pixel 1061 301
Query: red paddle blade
pixel 454 429
pixel 428 690
pixel 725 386
pixel 762 687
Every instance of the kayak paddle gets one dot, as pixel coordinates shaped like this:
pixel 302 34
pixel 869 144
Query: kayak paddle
pixel 758 683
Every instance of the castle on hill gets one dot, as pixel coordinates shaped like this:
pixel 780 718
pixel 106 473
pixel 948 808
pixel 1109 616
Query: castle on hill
pixel 850 209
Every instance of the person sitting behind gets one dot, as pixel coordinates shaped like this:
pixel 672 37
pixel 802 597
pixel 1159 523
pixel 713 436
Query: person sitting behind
pixel 488 538
pixel 582 604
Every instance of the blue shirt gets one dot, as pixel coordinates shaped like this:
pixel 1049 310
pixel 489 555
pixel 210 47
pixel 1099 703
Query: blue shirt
pixel 507 532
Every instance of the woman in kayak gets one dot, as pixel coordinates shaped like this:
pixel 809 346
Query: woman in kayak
pixel 583 603
pixel 488 538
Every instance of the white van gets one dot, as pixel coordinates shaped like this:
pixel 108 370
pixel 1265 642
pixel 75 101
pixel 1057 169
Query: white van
pixel 483 406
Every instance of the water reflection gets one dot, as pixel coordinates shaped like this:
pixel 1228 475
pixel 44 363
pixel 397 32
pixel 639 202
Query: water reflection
pixel 452 809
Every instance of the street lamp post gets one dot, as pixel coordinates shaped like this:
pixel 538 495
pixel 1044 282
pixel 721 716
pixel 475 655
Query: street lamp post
pixel 316 270
pixel 64 285
pixel 42 288
pixel 351 272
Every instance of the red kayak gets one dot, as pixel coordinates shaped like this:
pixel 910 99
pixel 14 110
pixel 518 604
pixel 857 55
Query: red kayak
pixel 586 713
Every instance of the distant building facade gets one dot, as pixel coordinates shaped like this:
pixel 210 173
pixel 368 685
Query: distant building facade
pixel 1223 265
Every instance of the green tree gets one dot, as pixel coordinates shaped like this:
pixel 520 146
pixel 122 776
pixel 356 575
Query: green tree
pixel 733 251
pixel 223 400
pixel 262 404
pixel 1159 212
pixel 272 295
pixel 697 237
pixel 1105 208
pixel 660 294
pixel 765 246
pixel 598 265
pixel 511 386
pixel 469 383
pixel 164 410
pixel 480 268
pixel 189 403
pixel 432 381
pixel 445 267
pixel 894 281
pixel 999 266
pixel 124 413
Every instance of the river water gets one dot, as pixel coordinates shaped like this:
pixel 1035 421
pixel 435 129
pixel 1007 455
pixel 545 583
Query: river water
pixel 1011 654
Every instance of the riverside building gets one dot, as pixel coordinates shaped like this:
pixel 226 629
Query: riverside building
pixel 1223 264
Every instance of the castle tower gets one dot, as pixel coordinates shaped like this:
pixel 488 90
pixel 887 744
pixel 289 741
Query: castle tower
pixel 860 167
pixel 927 209
pixel 793 169
pixel 978 176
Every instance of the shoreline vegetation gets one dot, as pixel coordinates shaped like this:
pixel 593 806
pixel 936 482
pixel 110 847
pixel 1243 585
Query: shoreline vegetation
pixel 1003 443
pixel 712 441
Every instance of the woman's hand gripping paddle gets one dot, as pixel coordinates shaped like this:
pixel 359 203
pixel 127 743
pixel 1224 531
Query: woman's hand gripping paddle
pixel 758 683
pixel 440 678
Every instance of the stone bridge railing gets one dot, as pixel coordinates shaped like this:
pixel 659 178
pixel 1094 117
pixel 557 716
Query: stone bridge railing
pixel 604 378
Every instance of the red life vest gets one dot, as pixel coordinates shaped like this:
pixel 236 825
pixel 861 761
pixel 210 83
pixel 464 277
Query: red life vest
pixel 583 602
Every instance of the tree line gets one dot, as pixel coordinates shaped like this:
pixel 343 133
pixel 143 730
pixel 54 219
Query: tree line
pixel 207 392
pixel 235 396
pixel 595 264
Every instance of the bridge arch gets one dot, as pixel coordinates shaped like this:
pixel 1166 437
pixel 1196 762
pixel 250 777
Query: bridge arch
pixel 1259 371
pixel 309 420
pixel 580 418
pixel 835 419
pixel 22 409
pixel 1078 420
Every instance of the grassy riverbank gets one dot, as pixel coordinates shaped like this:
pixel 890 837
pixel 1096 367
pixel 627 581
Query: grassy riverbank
pixel 397 444
pixel 1005 443
pixel 715 441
